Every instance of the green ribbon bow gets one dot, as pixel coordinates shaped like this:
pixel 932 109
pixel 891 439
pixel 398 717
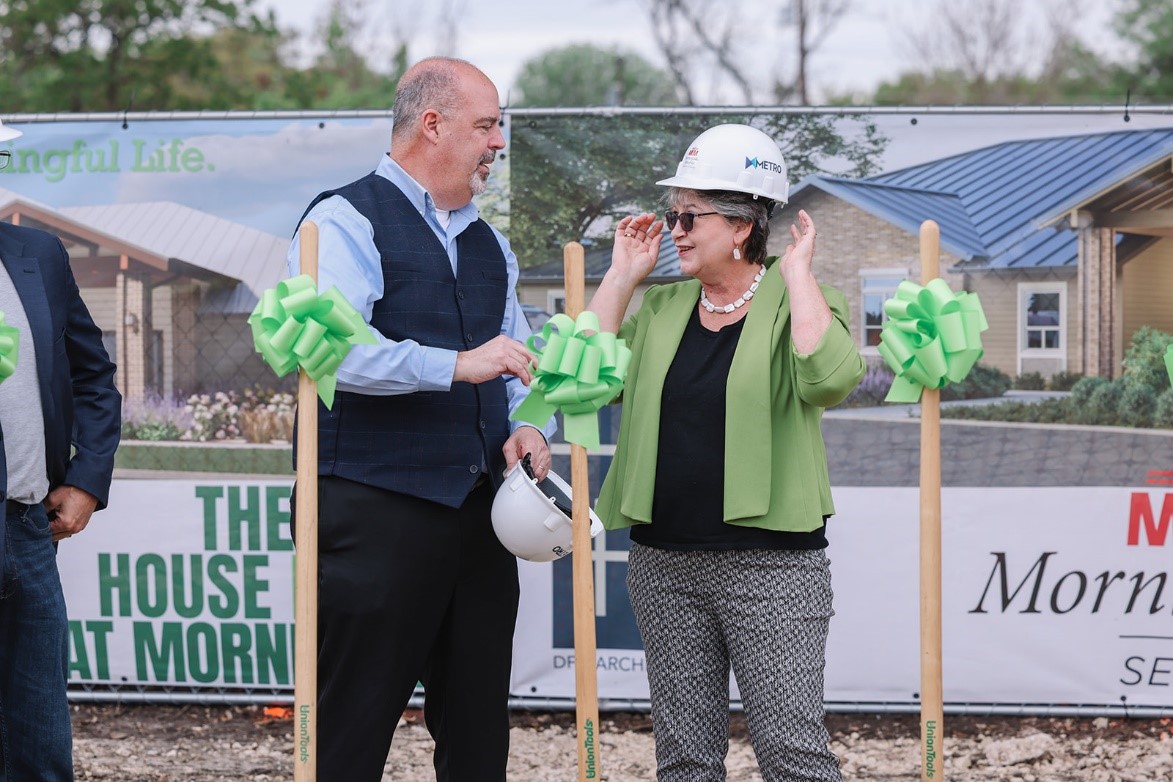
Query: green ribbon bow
pixel 9 348
pixel 1169 362
pixel 294 326
pixel 932 337
pixel 576 374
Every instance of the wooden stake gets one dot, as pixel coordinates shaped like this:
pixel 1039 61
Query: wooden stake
pixel 305 761
pixel 931 703
pixel 586 680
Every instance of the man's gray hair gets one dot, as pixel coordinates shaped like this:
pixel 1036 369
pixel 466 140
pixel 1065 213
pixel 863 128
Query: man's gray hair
pixel 432 83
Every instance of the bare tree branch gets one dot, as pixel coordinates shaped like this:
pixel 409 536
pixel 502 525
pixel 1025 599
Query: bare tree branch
pixel 667 39
pixel 813 20
pixel 983 39
pixel 682 28
pixel 449 15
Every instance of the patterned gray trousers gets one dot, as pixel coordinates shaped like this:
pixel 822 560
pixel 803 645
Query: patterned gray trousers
pixel 766 614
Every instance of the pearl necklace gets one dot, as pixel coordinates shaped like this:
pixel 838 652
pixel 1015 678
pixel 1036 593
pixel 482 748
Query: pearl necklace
pixel 710 307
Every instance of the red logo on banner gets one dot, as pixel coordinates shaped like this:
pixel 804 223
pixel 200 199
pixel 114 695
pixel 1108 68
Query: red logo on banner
pixel 1142 519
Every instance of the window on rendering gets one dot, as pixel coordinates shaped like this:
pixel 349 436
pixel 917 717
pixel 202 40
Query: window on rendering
pixel 877 287
pixel 1041 316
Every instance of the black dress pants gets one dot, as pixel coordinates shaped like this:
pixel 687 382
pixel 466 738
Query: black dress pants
pixel 410 590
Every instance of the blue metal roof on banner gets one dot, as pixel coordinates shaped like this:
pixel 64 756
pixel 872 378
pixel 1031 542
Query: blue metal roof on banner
pixel 1009 189
pixel 907 208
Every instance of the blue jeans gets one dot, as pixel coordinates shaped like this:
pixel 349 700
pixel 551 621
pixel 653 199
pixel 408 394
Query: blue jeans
pixel 36 742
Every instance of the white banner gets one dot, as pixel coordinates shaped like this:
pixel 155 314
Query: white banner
pixel 1051 596
pixel 183 583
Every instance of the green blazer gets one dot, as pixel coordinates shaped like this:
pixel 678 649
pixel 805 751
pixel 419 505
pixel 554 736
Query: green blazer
pixel 775 460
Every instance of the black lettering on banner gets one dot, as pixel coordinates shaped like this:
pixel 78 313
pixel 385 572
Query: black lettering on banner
pixel 1069 590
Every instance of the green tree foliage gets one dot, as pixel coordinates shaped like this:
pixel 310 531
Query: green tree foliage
pixel 1139 398
pixel 572 177
pixel 112 55
pixel 1144 358
pixel 585 75
pixel 95 55
pixel 1071 73
pixel 987 52
pixel 341 77
pixel 1148 26
pixel 1083 80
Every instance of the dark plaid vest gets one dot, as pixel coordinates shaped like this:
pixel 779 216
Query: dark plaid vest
pixel 429 444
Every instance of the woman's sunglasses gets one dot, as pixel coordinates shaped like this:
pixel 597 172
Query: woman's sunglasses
pixel 685 218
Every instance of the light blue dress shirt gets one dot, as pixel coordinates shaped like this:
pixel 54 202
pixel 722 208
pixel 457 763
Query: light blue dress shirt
pixel 349 260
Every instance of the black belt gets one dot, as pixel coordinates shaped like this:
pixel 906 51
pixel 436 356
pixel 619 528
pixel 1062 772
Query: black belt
pixel 12 506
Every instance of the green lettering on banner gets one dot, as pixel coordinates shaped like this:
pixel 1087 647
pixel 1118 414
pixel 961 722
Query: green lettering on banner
pixel 167 158
pixel 77 159
pixel 254 585
pixel 209 494
pixel 150 578
pixel 111 582
pixel 79 659
pixel 189 606
pixel 55 161
pixel 253 522
pixel 236 643
pixel 276 519
pixel 203 653
pixel 227 603
pixel 215 597
pixel 79 649
pixel 164 654
pixel 192 160
pixel 273 645
pixel 248 514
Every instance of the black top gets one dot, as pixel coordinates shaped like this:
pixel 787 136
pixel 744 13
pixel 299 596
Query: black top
pixel 687 508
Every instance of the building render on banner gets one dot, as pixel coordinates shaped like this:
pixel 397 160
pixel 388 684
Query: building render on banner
pixel 1068 241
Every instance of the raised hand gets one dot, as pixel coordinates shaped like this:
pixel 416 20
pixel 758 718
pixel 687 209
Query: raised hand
pixel 799 255
pixel 637 246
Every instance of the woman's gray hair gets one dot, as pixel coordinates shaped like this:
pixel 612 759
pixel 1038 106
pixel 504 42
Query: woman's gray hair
pixel 432 83
pixel 733 206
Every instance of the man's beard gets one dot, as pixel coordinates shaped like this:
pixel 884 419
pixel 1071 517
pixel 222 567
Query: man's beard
pixel 478 183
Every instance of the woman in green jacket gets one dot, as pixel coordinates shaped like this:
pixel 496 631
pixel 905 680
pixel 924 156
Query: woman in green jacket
pixel 720 470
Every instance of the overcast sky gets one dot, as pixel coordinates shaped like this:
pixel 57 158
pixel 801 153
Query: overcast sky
pixel 865 48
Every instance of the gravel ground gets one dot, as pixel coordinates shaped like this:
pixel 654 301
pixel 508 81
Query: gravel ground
pixel 146 743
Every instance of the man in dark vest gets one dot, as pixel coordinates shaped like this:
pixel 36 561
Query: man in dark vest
pixel 413 584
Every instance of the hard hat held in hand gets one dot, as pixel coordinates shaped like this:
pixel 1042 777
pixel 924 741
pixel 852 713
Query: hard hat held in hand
pixel 532 519
pixel 733 157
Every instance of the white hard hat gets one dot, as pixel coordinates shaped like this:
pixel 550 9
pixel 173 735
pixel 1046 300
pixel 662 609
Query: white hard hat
pixel 7 134
pixel 532 519
pixel 733 157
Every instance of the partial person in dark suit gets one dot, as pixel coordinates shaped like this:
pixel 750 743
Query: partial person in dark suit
pixel 60 420
pixel 413 583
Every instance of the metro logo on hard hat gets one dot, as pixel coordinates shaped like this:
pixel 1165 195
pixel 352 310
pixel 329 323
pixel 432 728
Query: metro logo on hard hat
pixel 766 164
